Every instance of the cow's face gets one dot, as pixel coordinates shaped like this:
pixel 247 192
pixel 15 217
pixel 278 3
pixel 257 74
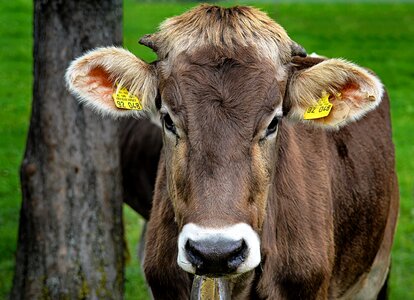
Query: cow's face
pixel 220 108
pixel 220 119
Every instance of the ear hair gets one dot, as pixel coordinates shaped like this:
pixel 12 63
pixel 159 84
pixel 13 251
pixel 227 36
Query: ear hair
pixel 93 78
pixel 360 90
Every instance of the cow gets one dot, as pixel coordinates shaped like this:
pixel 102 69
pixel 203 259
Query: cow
pixel 140 154
pixel 277 170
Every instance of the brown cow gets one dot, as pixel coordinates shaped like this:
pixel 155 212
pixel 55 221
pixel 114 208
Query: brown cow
pixel 140 143
pixel 247 189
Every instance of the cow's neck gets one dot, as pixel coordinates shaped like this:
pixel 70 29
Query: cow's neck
pixel 295 236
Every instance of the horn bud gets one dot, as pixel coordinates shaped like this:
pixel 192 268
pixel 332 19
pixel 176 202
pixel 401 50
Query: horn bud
pixel 297 50
pixel 148 40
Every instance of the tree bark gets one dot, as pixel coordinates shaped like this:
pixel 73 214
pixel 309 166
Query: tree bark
pixel 70 243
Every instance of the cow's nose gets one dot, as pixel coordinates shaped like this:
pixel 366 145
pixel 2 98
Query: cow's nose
pixel 216 257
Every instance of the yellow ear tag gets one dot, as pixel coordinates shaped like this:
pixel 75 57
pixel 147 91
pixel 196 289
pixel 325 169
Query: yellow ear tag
pixel 124 100
pixel 321 109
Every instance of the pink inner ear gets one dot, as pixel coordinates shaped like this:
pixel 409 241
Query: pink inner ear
pixel 344 103
pixel 351 91
pixel 100 77
pixel 99 83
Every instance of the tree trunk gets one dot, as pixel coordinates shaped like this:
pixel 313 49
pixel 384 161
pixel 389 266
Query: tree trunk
pixel 70 243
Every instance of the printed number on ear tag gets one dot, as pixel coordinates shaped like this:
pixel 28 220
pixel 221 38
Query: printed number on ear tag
pixel 321 109
pixel 124 100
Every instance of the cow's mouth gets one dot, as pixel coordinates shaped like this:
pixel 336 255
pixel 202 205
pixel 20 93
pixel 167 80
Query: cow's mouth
pixel 210 288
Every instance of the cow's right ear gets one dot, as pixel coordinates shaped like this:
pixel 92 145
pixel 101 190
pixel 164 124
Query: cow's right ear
pixel 113 81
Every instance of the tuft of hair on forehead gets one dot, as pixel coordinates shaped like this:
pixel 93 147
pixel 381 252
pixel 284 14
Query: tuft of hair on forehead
pixel 222 28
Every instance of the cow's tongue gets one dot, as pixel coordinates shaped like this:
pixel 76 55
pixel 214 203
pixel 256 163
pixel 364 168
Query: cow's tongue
pixel 207 288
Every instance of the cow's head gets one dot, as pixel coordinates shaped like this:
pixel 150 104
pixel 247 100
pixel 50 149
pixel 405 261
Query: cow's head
pixel 224 81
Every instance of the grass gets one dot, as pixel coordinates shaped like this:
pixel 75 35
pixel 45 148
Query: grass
pixel 378 36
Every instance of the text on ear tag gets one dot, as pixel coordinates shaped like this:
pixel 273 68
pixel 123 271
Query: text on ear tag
pixel 124 100
pixel 321 109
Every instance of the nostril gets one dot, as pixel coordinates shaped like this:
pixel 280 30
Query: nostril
pixel 216 256
pixel 237 256
pixel 194 255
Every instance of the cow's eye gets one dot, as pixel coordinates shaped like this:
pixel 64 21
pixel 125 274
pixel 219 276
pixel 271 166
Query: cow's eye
pixel 169 124
pixel 272 126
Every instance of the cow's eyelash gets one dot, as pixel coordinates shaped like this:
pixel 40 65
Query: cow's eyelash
pixel 168 123
pixel 272 127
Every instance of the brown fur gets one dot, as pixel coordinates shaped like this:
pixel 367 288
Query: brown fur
pixel 323 218
pixel 325 212
pixel 140 143
pixel 319 199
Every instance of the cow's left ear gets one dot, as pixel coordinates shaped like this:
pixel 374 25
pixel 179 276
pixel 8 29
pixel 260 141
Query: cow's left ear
pixel 113 81
pixel 331 93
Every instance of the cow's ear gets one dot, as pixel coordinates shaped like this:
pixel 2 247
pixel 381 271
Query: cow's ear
pixel 331 93
pixel 113 81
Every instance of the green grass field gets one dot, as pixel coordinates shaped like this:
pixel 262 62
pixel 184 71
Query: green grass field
pixel 378 36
